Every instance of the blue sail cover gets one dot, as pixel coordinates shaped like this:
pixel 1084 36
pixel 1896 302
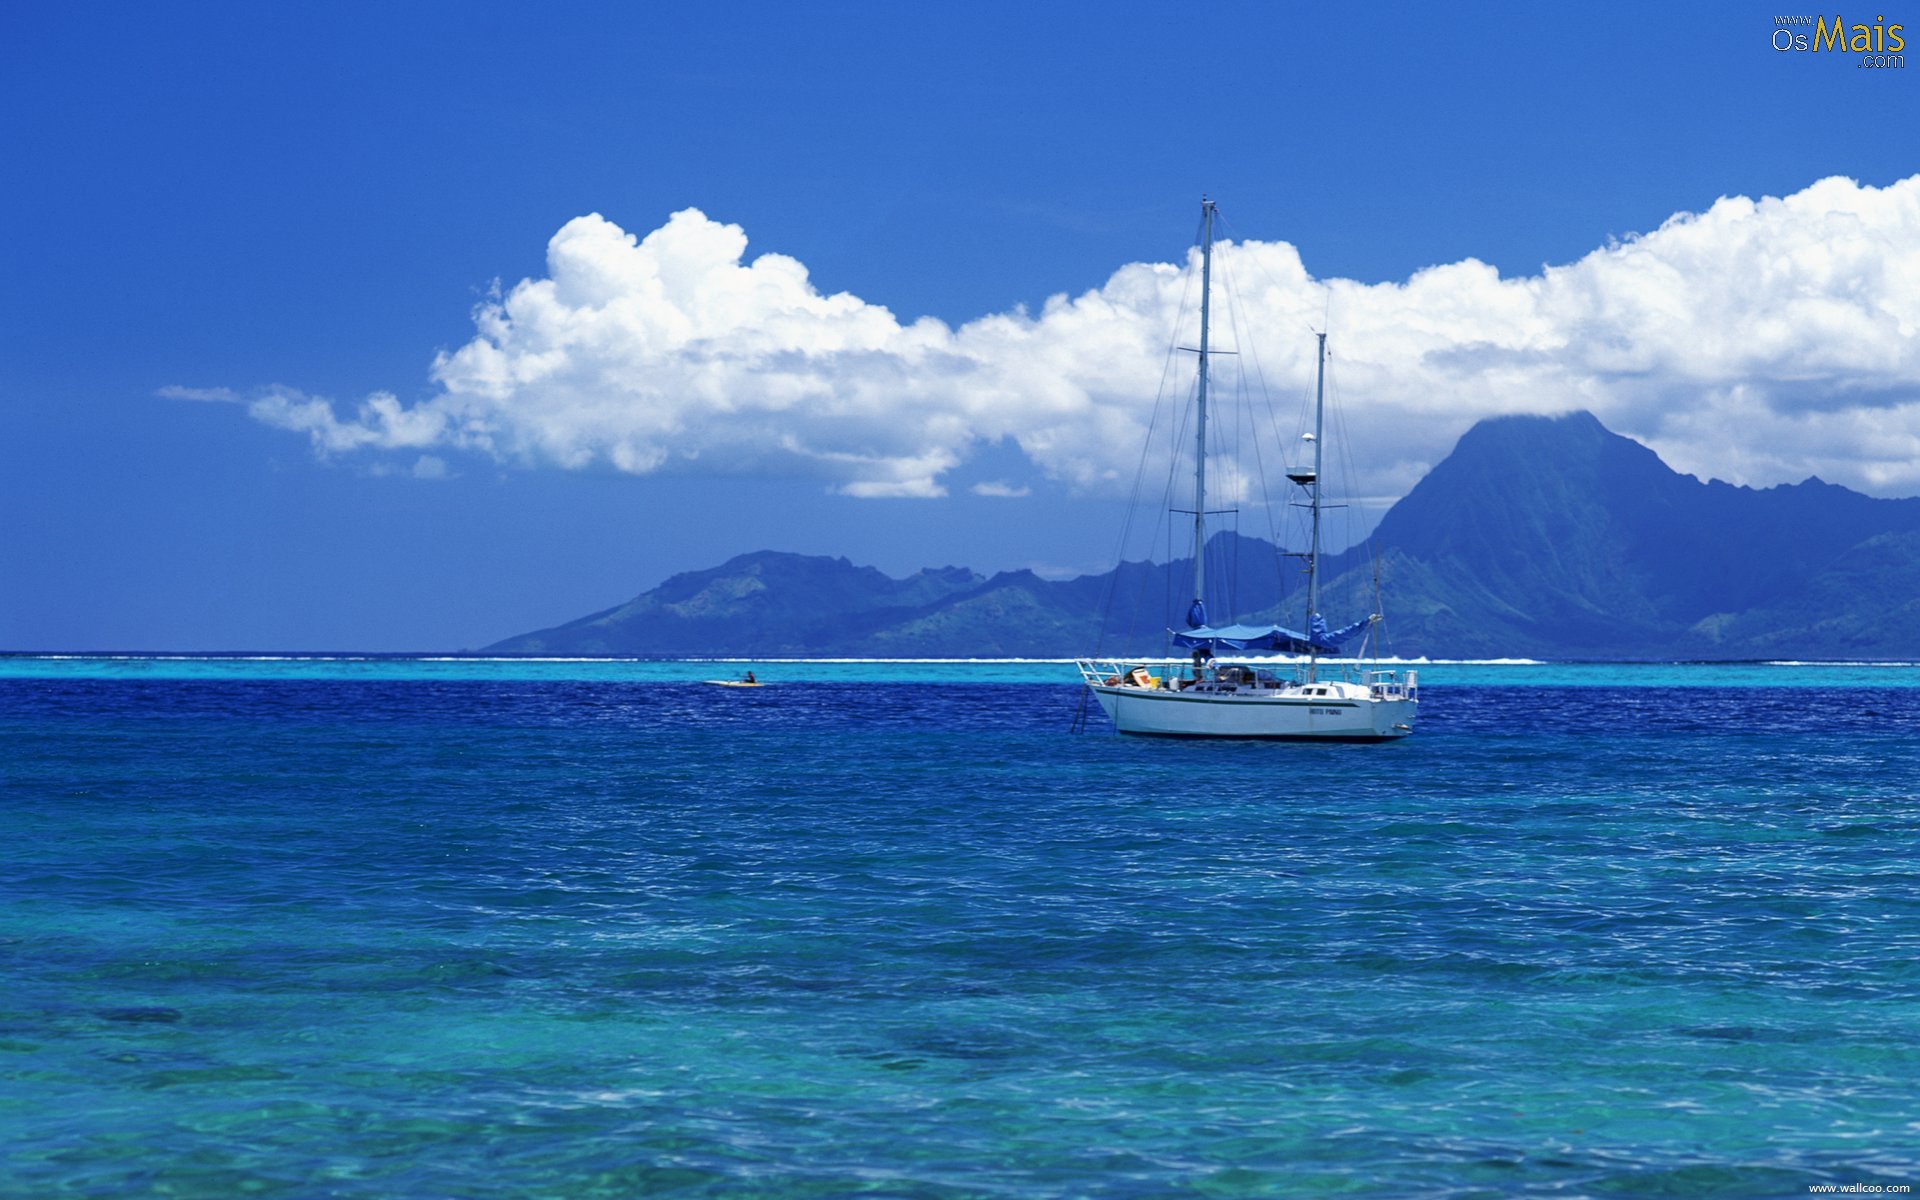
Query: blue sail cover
pixel 1318 640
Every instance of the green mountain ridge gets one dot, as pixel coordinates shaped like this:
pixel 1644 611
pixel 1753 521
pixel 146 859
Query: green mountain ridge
pixel 1545 537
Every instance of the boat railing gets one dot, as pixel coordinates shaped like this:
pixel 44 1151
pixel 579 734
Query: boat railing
pixel 1131 672
pixel 1108 672
pixel 1381 683
pixel 1096 670
pixel 1391 685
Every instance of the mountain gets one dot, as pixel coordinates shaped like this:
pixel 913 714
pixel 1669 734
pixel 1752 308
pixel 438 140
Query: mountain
pixel 1553 537
pixel 1545 537
pixel 763 603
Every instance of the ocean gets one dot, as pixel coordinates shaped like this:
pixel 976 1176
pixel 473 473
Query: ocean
pixel 388 927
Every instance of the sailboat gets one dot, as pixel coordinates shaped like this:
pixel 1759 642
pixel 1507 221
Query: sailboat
pixel 1225 694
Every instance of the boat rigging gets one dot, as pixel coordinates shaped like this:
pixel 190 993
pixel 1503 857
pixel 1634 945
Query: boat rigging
pixel 1310 697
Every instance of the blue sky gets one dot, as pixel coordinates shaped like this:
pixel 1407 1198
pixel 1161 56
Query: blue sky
pixel 310 202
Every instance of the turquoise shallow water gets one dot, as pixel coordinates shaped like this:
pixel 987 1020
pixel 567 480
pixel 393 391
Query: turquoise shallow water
pixel 366 668
pixel 465 929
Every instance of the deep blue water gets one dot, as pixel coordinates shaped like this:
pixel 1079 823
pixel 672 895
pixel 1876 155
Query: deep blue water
pixel 372 935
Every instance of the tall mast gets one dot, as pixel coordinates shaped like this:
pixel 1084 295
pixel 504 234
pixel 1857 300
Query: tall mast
pixel 1313 550
pixel 1200 435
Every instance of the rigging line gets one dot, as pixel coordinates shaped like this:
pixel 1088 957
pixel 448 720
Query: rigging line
pixel 1164 520
pixel 1335 489
pixel 1249 347
pixel 1245 432
pixel 1343 431
pixel 1138 608
pixel 1134 609
pixel 1381 642
pixel 1268 275
pixel 1369 555
pixel 1082 711
pixel 1140 468
pixel 1257 382
pixel 1355 520
pixel 1163 514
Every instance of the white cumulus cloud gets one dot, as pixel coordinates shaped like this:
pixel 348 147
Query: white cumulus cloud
pixel 1759 341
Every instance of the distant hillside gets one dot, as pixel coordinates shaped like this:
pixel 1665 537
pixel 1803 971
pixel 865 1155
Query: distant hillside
pixel 1553 537
pixel 1542 537
pixel 762 603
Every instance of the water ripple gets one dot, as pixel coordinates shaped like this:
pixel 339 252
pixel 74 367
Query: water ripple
pixel 520 937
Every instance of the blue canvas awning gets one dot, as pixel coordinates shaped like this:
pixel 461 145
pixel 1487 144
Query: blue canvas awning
pixel 1318 640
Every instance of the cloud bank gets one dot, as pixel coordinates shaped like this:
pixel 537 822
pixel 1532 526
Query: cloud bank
pixel 1760 341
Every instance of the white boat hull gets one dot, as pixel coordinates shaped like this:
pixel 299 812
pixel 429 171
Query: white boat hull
pixel 1243 703
pixel 1171 714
